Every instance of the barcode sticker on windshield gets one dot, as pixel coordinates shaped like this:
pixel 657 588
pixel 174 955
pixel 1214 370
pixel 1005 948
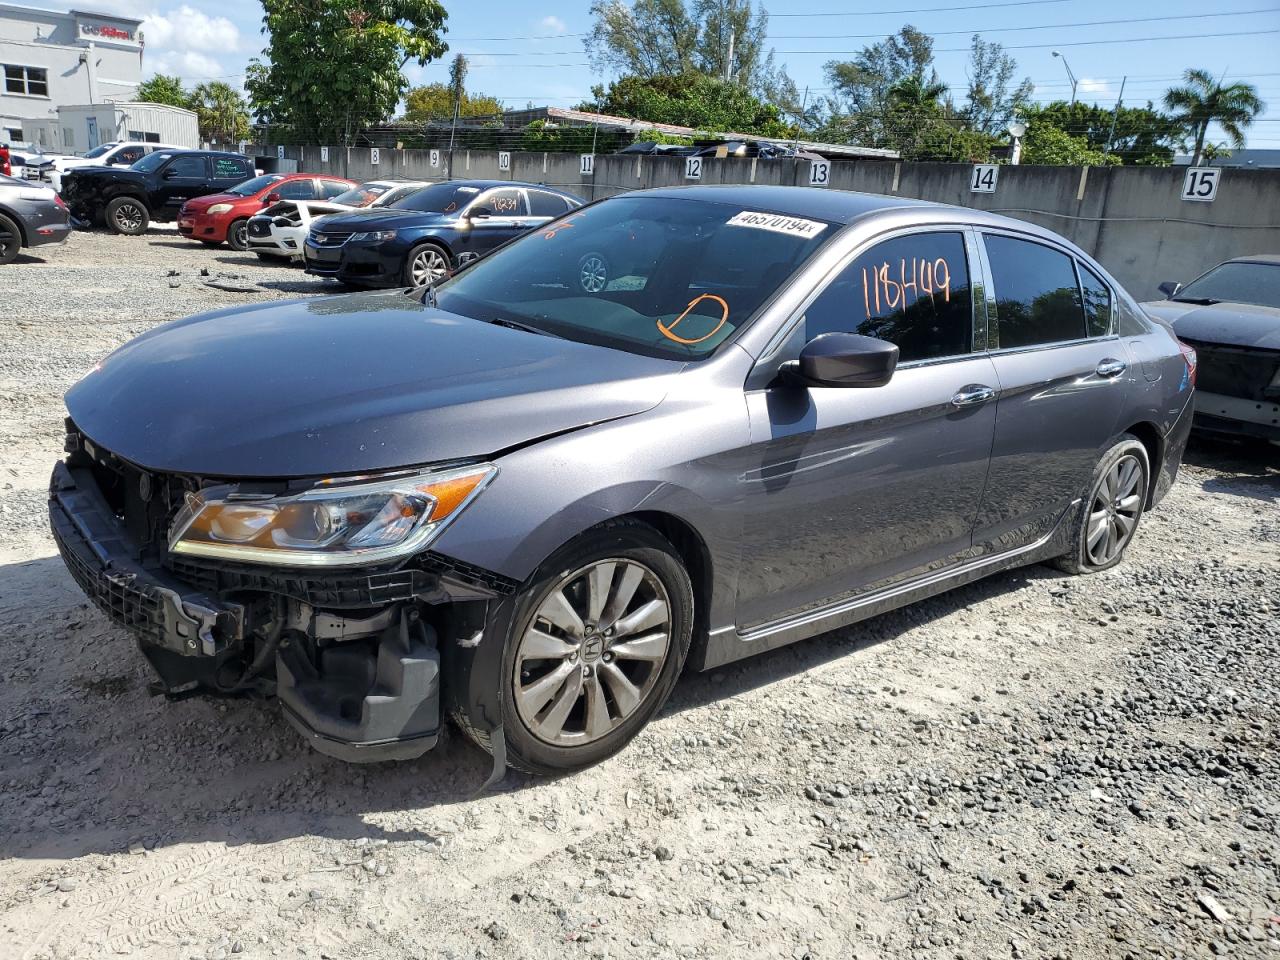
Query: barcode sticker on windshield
pixel 778 223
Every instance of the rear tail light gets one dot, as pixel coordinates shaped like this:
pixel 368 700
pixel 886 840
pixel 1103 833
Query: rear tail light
pixel 59 201
pixel 1189 358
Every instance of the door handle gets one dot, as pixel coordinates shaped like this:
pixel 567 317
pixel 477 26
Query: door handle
pixel 973 394
pixel 1110 367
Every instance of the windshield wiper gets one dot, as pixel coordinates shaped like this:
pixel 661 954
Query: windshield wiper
pixel 527 328
pixel 1202 301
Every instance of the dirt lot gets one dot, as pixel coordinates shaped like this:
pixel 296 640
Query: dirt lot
pixel 1033 766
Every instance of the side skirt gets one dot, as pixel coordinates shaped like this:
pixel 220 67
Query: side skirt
pixel 729 644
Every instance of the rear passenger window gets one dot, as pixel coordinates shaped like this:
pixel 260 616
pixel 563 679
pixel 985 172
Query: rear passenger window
pixel 912 291
pixel 332 188
pixel 1097 303
pixel 546 204
pixel 1037 299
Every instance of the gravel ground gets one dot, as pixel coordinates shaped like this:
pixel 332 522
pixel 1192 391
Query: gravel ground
pixel 1031 766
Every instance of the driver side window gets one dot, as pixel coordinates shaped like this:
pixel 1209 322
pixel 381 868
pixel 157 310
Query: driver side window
pixel 912 291
pixel 186 167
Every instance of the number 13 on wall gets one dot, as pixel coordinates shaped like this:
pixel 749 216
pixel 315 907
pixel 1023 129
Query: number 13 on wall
pixel 1201 184
pixel 819 173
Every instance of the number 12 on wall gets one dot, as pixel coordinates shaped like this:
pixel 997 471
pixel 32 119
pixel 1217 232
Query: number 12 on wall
pixel 1201 184
pixel 693 168
pixel 984 178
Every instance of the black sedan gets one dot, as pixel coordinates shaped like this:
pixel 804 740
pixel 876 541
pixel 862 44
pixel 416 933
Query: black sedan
pixel 30 216
pixel 1231 315
pixel 421 238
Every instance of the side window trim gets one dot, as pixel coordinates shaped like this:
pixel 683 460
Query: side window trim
pixel 788 327
pixel 1112 320
pixel 993 338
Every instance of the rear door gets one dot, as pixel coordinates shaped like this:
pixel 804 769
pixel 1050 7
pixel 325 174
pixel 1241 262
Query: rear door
pixel 227 172
pixel 847 489
pixel 1064 377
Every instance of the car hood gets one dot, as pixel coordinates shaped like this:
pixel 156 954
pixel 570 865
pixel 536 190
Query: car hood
pixel 383 218
pixel 347 384
pixel 1235 324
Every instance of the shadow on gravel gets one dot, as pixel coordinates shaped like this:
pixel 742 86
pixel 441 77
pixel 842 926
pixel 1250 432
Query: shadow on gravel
pixel 24 257
pixel 1254 467
pixel 93 764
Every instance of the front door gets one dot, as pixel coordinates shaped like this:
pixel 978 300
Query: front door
pixel 850 488
pixel 508 216
pixel 184 177
pixel 1063 376
pixel 92 124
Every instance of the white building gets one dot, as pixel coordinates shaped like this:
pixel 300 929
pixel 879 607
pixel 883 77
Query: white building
pixel 80 127
pixel 51 59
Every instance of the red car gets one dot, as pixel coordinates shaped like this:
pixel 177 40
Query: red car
pixel 224 217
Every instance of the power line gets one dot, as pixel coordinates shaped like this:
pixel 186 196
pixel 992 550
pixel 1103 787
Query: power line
pixel 898 11
pixel 1075 43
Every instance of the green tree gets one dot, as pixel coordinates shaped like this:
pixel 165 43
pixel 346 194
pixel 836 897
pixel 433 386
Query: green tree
pixel 692 100
pixel 666 38
pixel 991 101
pixel 860 101
pixel 1202 100
pixel 913 106
pixel 332 67
pixel 221 111
pixel 1141 135
pixel 160 88
pixel 434 101
pixel 1048 145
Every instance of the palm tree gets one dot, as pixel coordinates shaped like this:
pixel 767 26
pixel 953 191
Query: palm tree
pixel 1204 100
pixel 914 104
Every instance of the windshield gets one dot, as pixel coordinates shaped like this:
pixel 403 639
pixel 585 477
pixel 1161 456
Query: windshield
pixel 437 198
pixel 654 275
pixel 1257 283
pixel 151 161
pixel 98 151
pixel 362 195
pixel 250 187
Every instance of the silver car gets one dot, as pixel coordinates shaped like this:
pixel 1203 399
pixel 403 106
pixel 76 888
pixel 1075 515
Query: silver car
pixel 30 216
pixel 530 503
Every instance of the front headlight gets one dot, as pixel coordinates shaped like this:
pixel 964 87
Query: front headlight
pixel 336 523
pixel 219 208
pixel 376 236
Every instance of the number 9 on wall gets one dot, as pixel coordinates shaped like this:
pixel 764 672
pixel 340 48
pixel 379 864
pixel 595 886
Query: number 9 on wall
pixel 1201 183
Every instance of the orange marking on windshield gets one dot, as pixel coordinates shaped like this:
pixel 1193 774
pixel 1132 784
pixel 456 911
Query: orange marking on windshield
pixel 724 317
pixel 565 225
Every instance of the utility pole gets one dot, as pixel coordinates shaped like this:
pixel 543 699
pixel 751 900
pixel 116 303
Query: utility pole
pixel 804 104
pixel 728 63
pixel 1116 115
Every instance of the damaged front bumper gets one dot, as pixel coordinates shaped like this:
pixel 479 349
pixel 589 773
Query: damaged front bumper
pixel 354 657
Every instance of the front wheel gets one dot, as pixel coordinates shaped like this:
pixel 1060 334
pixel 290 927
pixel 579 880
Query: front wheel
pixel 128 215
pixel 10 240
pixel 426 263
pixel 600 635
pixel 1109 515
pixel 238 235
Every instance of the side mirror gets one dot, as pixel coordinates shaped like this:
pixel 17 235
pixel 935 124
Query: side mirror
pixel 271 198
pixel 465 260
pixel 1170 289
pixel 845 360
pixel 479 213
pixel 170 175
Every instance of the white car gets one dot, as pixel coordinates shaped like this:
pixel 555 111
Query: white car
pixel 115 154
pixel 279 230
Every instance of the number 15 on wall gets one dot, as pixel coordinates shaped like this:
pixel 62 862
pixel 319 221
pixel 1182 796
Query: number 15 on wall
pixel 1201 183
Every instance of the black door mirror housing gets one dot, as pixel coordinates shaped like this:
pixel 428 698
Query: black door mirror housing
pixel 170 175
pixel 479 213
pixel 846 360
pixel 1170 289
pixel 271 198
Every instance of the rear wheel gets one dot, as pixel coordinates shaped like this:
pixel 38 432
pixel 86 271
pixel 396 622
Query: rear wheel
pixel 599 637
pixel 1109 515
pixel 238 235
pixel 127 215
pixel 10 240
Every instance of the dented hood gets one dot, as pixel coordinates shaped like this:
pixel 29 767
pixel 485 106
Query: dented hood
pixel 347 384
pixel 1232 324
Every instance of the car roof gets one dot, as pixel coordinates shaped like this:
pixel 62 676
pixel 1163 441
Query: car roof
pixel 847 206
pixel 486 184
pixel 1271 258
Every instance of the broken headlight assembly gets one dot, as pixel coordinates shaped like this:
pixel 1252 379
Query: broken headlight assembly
pixel 339 522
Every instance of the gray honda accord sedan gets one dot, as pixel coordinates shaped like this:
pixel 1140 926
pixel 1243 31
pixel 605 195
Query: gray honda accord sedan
pixel 529 502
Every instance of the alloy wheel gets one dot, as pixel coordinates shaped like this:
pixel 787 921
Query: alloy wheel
pixel 428 266
pixel 128 217
pixel 592 652
pixel 1114 511
pixel 593 273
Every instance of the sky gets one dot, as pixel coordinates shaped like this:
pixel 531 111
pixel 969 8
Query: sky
pixel 525 52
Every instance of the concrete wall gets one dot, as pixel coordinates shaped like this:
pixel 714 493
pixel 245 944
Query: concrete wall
pixel 1132 219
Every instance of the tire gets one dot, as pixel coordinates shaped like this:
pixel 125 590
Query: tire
pixel 594 273
pixel 1111 510
pixel 547 722
pixel 10 240
pixel 127 215
pixel 238 234
pixel 426 261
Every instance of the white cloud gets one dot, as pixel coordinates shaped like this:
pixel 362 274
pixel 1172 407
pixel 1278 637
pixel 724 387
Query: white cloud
pixel 188 64
pixel 551 25
pixel 188 29
pixel 1094 88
